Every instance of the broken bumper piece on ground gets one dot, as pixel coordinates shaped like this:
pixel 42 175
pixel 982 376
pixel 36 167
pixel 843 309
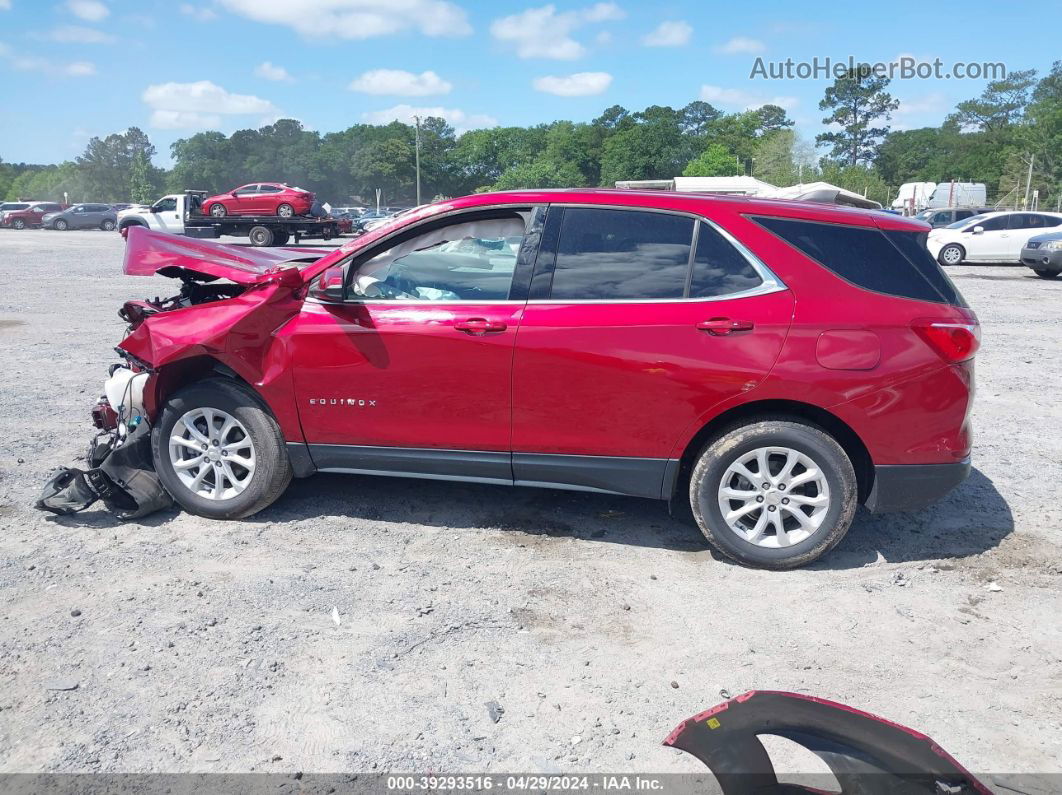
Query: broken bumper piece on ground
pixel 120 474
pixel 865 753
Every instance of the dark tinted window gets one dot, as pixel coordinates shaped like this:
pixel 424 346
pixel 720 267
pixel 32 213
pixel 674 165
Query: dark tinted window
pixel 269 189
pixel 996 224
pixel 621 254
pixel 913 247
pixel 893 263
pixel 718 267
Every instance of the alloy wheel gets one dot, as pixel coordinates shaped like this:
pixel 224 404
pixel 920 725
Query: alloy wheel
pixel 212 453
pixel 774 497
pixel 952 255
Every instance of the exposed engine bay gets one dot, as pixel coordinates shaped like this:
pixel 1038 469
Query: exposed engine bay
pixel 196 288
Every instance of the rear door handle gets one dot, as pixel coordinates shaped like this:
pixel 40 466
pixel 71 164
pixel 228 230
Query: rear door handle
pixel 479 325
pixel 721 326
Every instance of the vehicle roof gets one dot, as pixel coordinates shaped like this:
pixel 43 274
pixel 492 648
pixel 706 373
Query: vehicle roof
pixel 687 202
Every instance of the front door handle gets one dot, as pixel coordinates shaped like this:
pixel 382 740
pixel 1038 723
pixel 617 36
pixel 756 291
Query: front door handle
pixel 479 325
pixel 721 326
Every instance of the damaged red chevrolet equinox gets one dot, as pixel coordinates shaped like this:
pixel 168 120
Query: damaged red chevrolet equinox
pixel 773 363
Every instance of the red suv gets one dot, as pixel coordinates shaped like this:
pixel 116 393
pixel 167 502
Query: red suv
pixel 30 216
pixel 260 198
pixel 773 363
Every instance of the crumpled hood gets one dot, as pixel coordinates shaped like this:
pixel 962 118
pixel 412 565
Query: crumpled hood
pixel 148 253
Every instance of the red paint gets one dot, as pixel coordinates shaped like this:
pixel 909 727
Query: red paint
pixel 848 349
pixel 244 200
pixel 633 379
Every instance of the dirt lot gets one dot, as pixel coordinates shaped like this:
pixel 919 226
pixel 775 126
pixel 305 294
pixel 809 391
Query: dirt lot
pixel 597 623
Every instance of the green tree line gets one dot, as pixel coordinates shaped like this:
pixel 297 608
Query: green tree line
pixel 991 138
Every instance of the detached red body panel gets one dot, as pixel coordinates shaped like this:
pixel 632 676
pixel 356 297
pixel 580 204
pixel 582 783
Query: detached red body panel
pixel 865 753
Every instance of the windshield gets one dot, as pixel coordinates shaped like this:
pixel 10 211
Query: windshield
pixel 972 220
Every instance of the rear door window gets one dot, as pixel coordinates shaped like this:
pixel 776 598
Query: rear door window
pixel 718 267
pixel 893 263
pixel 616 255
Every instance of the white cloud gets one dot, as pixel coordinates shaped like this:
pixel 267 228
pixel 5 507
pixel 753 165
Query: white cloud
pixel 669 34
pixel 197 12
pixel 741 45
pixel 545 33
pixel 737 98
pixel 45 66
pixel 183 120
pixel 76 34
pixel 397 82
pixel 356 19
pixel 5 5
pixel 580 84
pixel 269 71
pixel 199 105
pixel 460 120
pixel 80 69
pixel 91 10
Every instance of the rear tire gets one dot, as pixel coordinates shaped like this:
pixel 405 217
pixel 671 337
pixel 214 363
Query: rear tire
pixel 285 211
pixel 951 254
pixel 261 236
pixel 820 484
pixel 252 436
pixel 218 211
pixel 1045 274
pixel 107 225
pixel 61 225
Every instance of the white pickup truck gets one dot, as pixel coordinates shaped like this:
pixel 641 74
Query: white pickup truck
pixel 178 214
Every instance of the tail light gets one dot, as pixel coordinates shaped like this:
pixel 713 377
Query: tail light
pixel 953 341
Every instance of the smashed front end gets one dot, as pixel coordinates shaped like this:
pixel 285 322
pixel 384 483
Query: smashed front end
pixel 221 321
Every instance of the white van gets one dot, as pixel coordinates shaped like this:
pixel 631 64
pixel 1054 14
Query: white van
pixel 958 194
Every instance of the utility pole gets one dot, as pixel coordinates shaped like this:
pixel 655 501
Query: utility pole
pixel 1028 183
pixel 417 120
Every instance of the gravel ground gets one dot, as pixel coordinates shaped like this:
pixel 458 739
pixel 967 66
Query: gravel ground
pixel 597 623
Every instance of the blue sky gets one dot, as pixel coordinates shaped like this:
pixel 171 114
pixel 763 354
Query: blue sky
pixel 70 69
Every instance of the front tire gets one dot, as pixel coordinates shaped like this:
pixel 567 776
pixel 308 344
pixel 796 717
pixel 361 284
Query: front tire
pixel 218 211
pixel 774 494
pixel 61 225
pixel 1046 274
pixel 107 225
pixel 219 452
pixel 951 254
pixel 18 223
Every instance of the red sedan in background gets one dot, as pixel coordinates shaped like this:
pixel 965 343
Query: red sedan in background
pixel 260 198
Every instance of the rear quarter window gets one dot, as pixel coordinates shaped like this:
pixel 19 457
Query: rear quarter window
pixel 890 262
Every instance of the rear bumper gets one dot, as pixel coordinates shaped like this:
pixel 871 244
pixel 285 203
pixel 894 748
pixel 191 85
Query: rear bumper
pixel 912 486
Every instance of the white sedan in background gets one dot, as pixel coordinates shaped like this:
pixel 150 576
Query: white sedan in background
pixel 990 237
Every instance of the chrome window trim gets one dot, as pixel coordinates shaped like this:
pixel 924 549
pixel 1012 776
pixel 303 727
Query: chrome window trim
pixel 770 282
